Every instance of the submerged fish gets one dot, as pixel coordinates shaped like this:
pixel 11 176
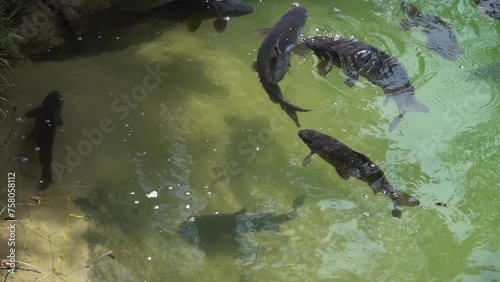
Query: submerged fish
pixel 48 118
pixel 381 69
pixel 209 231
pixel 440 37
pixel 274 54
pixel 490 8
pixel 348 162
pixel 192 12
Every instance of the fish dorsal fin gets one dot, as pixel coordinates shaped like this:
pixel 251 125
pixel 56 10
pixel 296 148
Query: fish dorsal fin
pixel 242 211
pixel 33 113
pixel 362 157
pixel 343 172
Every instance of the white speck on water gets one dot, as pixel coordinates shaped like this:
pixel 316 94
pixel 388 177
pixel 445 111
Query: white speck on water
pixel 191 218
pixel 461 67
pixel 127 125
pixel 366 214
pixel 23 137
pixel 366 196
pixel 188 206
pixel 142 113
pixel 26 159
pixel 170 187
pixel 19 119
pixel 37 149
pixel 136 202
pixel 79 38
pixel 118 37
pixel 210 193
pixel 132 193
pixel 216 212
pixel 149 258
pixel 152 194
pixel 215 150
pixel 257 148
pixel 156 207
pixel 188 193
pixel 124 140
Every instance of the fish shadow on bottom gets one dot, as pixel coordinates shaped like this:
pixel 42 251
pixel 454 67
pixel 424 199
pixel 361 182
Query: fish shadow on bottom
pixel 220 234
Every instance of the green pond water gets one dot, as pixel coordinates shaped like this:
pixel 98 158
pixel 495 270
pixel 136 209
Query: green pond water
pixel 205 138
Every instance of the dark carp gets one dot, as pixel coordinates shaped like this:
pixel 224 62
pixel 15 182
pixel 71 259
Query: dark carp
pixel 441 39
pixel 193 12
pixel 47 119
pixel 348 162
pixel 273 59
pixel 357 58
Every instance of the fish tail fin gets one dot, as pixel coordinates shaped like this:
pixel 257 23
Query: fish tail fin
pixel 292 110
pixel 297 203
pixel 403 199
pixel 45 179
pixel 417 106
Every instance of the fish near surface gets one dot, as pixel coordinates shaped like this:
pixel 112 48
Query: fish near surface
pixel 441 39
pixel 217 233
pixel 273 58
pixel 490 8
pixel 357 58
pixel 192 12
pixel 47 119
pixel 348 162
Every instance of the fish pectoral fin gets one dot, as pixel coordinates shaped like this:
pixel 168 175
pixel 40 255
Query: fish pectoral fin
pixel 307 160
pixel 33 113
pixel 255 66
pixel 193 26
pixel 396 212
pixel 298 202
pixel 324 67
pixel 276 50
pixel 344 173
pixel 220 25
pixel 394 123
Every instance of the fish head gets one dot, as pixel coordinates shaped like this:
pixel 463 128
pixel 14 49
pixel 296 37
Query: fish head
pixel 188 231
pixel 53 102
pixel 232 8
pixel 311 138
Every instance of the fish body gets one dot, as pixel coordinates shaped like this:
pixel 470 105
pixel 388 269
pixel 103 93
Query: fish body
pixel 193 12
pixel 441 39
pixel 47 119
pixel 273 59
pixel 357 58
pixel 350 163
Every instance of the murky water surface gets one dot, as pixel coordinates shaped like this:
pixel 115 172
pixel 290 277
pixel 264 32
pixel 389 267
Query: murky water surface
pixel 201 137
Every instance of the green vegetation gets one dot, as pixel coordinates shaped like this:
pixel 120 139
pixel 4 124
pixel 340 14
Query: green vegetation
pixel 10 19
